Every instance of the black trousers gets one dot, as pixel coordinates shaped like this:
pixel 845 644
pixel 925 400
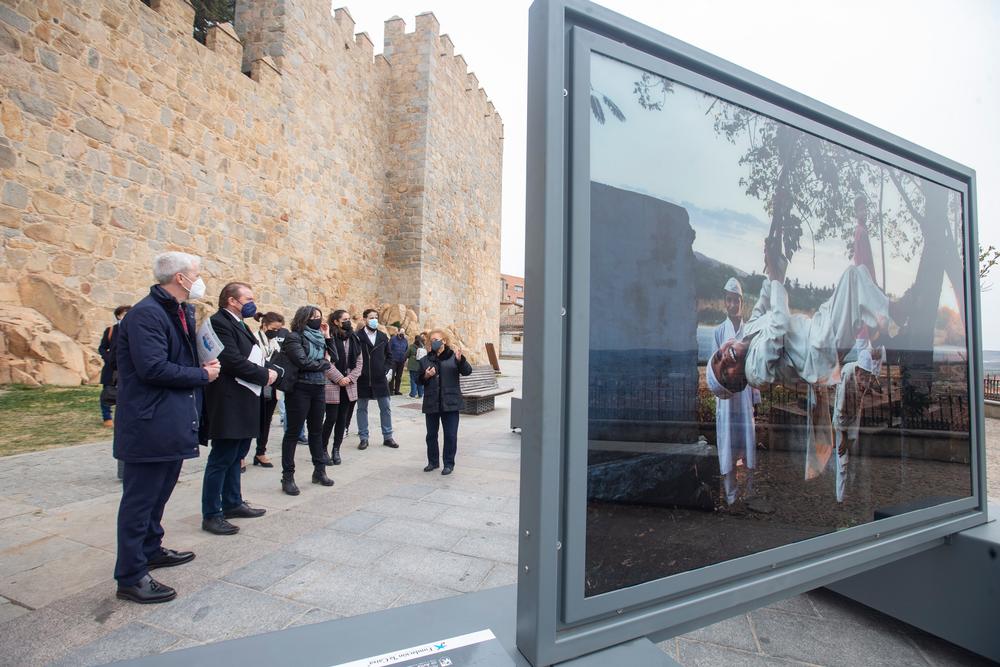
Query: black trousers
pixel 397 375
pixel 449 420
pixel 304 404
pixel 266 414
pixel 146 488
pixel 337 417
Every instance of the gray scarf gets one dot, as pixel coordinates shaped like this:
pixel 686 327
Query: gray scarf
pixel 315 344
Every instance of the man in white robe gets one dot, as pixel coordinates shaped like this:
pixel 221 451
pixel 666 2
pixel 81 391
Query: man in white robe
pixel 778 345
pixel 734 418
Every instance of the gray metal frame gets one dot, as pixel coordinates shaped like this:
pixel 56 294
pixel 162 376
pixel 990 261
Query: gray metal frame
pixel 555 621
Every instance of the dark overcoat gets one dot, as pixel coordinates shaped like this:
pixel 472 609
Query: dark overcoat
pixel 108 351
pixel 376 362
pixel 232 411
pixel 159 382
pixel 443 392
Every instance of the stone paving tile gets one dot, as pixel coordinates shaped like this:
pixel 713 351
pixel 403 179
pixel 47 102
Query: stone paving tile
pixel 834 606
pixel 732 632
pixel 10 611
pixel 799 604
pixel 356 522
pixel 336 547
pixel 414 491
pixel 697 654
pixel 404 507
pixel 99 604
pixel 833 641
pixel 221 554
pixel 15 533
pixel 669 647
pixel 314 615
pixel 344 590
pixel 423 533
pixel 494 546
pixel 281 526
pixel 480 520
pixel 267 571
pixel 466 499
pixel 224 611
pixel 420 564
pixel 415 593
pixel 27 554
pixel 129 642
pixel 74 570
pixel 10 507
pixel 95 526
pixel 43 636
pixel 502 574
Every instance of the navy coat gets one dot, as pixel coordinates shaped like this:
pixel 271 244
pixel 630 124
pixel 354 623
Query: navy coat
pixel 159 383
pixel 231 410
pixel 107 350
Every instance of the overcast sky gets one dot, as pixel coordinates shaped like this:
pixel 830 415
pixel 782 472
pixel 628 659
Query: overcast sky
pixel 924 70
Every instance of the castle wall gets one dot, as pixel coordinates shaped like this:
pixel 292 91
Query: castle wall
pixel 328 175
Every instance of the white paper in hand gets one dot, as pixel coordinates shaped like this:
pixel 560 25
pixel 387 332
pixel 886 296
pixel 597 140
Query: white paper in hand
pixel 388 375
pixel 209 345
pixel 256 357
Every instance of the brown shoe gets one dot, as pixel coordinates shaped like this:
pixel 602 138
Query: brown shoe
pixel 109 423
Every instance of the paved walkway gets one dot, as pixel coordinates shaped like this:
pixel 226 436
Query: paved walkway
pixel 387 534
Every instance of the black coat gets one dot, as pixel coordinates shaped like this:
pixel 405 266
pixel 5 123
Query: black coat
pixel 159 383
pixel 108 349
pixel 294 347
pixel 443 392
pixel 231 410
pixel 377 362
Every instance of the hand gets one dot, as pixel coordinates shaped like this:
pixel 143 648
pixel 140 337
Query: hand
pixel 458 354
pixel 325 329
pixel 272 376
pixel 344 382
pixel 213 368
pixel 430 372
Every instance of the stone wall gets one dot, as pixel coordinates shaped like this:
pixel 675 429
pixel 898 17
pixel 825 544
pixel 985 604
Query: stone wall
pixel 283 151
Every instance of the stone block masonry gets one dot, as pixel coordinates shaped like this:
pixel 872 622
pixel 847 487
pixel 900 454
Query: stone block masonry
pixel 284 151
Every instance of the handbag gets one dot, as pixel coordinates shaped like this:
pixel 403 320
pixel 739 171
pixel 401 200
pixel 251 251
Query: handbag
pixel 109 394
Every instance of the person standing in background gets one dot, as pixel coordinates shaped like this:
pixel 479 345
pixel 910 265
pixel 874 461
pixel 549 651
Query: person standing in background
pixel 109 372
pixel 269 338
pixel 439 373
pixel 414 354
pixel 372 384
pixel 342 386
pixel 397 350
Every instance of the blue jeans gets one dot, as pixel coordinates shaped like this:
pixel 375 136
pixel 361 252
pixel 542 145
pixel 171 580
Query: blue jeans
pixel 385 417
pixel 450 422
pixel 221 489
pixel 416 390
pixel 105 411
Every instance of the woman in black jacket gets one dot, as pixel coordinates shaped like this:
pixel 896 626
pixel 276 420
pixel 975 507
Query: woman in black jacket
pixel 439 375
pixel 305 347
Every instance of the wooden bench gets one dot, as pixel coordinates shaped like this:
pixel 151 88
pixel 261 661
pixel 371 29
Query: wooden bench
pixel 479 390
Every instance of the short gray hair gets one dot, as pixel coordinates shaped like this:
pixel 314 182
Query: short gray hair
pixel 168 264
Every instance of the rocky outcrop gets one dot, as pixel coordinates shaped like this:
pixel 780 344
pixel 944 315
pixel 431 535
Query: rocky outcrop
pixel 33 351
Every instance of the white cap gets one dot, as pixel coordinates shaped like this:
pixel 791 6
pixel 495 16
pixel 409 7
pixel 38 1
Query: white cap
pixel 713 383
pixel 871 360
pixel 733 285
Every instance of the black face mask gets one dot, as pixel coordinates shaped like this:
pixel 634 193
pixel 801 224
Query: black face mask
pixel 270 334
pixel 347 326
pixel 314 324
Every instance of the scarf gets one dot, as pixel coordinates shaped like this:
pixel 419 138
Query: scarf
pixel 315 344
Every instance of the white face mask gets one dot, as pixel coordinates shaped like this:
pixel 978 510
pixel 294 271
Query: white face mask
pixel 197 289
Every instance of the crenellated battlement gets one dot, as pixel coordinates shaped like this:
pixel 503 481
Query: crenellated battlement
pixel 284 151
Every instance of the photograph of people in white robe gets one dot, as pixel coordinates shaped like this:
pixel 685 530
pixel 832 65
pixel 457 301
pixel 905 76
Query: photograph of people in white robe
pixel 777 345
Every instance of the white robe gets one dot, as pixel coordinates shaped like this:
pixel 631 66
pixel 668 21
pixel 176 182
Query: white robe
pixel 734 424
pixel 789 347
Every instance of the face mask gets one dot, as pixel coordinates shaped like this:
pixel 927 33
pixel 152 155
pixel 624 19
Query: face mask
pixel 373 323
pixel 248 310
pixel 314 324
pixel 346 326
pixel 436 344
pixel 270 334
pixel 197 289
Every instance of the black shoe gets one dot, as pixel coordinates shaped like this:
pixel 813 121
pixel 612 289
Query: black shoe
pixel 429 467
pixel 303 441
pixel 244 511
pixel 327 461
pixel 391 443
pixel 147 591
pixel 336 456
pixel 288 485
pixel 319 476
pixel 219 526
pixel 363 444
pixel 258 462
pixel 446 470
pixel 169 558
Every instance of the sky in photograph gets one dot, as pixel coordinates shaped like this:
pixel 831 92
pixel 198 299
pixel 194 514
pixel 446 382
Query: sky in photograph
pixel 924 70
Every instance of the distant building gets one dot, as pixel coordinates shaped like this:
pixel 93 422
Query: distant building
pixel 511 331
pixel 511 289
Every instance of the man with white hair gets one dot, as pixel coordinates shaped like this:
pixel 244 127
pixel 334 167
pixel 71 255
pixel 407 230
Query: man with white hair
pixel 734 418
pixel 159 412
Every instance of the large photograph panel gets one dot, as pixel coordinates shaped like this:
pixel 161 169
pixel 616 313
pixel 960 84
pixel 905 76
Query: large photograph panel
pixel 777 341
